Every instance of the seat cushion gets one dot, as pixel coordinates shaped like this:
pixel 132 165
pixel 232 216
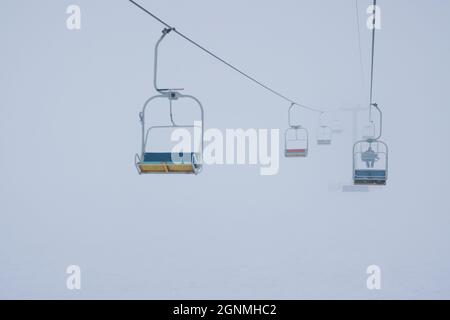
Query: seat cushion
pixel 296 152
pixel 167 157
pixel 166 168
pixel 166 162
pixel 370 174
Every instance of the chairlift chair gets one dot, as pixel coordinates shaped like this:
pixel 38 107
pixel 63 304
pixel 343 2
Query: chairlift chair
pixel 370 162
pixel 168 162
pixel 337 127
pixel 324 132
pixel 370 156
pixel 296 142
pixel 324 135
pixel 370 159
pixel 295 139
pixel 151 162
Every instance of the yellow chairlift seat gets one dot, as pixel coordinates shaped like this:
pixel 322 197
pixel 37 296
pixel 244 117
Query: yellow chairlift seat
pixel 168 163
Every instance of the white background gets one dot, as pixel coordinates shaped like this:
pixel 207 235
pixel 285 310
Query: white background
pixel 70 194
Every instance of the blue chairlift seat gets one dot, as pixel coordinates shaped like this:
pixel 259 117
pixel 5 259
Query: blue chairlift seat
pixel 370 177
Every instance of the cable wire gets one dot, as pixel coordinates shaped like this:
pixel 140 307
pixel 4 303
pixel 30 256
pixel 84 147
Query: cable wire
pixel 371 102
pixel 361 63
pixel 227 63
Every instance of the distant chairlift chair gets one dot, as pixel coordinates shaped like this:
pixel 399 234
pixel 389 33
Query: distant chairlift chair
pixel 370 158
pixel 296 139
pixel 324 135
